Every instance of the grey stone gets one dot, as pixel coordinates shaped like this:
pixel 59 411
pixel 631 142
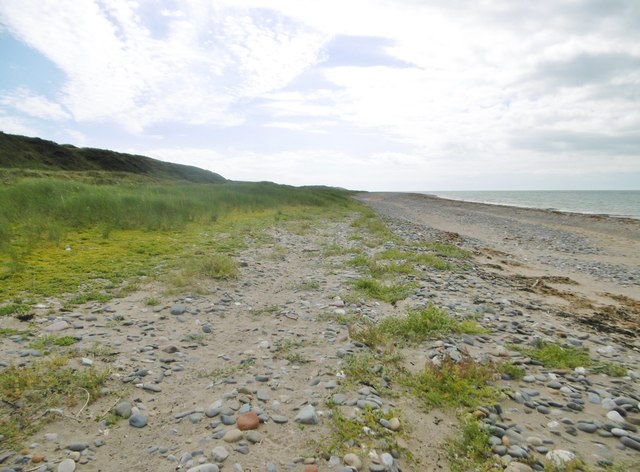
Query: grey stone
pixel 219 454
pixel 138 420
pixel 587 427
pixel 178 309
pixel 78 446
pixel 279 419
pixel 307 415
pixel 627 441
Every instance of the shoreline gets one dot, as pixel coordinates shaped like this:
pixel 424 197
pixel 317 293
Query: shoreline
pixel 599 257
pixel 513 205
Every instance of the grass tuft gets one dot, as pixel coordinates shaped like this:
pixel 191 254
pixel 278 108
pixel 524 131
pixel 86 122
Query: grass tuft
pixel 216 266
pixel 557 356
pixel 413 328
pixel 29 392
pixel 470 450
pixel 463 384
pixel 390 293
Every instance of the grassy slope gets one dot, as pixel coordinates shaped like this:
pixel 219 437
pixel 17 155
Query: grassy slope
pixel 21 152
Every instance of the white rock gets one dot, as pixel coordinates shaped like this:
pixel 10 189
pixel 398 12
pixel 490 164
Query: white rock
pixel 613 415
pixel 559 457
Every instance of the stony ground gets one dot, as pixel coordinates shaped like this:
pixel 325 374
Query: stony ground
pixel 244 377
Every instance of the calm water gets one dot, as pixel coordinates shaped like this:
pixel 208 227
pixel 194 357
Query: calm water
pixel 613 202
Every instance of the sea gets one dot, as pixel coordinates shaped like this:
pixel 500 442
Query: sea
pixel 618 203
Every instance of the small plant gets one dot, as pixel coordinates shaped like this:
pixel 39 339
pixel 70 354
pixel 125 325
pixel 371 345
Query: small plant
pixel 152 301
pixel 556 356
pixel 265 311
pixel 217 266
pixel 390 293
pixel 362 431
pixel 48 341
pixel 513 371
pixel 14 309
pixel 462 384
pixel 413 328
pixel 470 450
pixel 309 285
pixel 610 368
pixel 28 393
pixel 374 369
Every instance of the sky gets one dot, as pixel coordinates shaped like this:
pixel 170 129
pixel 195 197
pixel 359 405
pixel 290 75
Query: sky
pixel 406 95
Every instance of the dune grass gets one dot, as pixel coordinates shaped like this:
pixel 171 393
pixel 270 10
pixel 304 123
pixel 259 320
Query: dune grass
pixel 64 236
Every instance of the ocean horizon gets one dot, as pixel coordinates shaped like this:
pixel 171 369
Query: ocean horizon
pixel 616 203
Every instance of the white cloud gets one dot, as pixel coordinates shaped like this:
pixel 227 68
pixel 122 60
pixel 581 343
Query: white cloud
pixel 15 125
pixel 24 101
pixel 119 71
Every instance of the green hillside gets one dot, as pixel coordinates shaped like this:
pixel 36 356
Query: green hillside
pixel 21 152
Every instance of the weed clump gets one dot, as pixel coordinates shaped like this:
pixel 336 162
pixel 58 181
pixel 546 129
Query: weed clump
pixel 557 356
pixel 413 328
pixel 454 384
pixel 390 293
pixel 217 266
pixel 362 430
pixel 29 393
pixel 470 449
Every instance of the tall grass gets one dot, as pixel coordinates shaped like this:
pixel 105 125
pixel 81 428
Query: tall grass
pixel 35 209
pixel 57 236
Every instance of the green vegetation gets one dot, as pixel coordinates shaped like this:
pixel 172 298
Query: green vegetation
pixel 216 266
pixel 45 342
pixel 610 368
pixel 286 350
pixel 29 392
pixel 413 328
pixel 373 228
pixel 513 371
pixel 308 285
pixel 556 356
pixel 390 293
pixel 470 449
pixel 14 308
pixel 21 152
pixel 453 385
pixel 446 250
pixel 569 357
pixel 59 237
pixel 360 433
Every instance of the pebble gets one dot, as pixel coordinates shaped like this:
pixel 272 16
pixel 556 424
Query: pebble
pixel 613 415
pixel 57 326
pixel 518 467
pixel 627 441
pixel 204 468
pixel 352 460
pixel 248 421
pixel 219 454
pixel 559 457
pixel 178 309
pixel 138 420
pixel 67 465
pixel 233 435
pixel 307 415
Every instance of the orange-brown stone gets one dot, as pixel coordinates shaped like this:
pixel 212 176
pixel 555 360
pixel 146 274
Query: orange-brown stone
pixel 248 421
pixel 37 458
pixel 311 468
